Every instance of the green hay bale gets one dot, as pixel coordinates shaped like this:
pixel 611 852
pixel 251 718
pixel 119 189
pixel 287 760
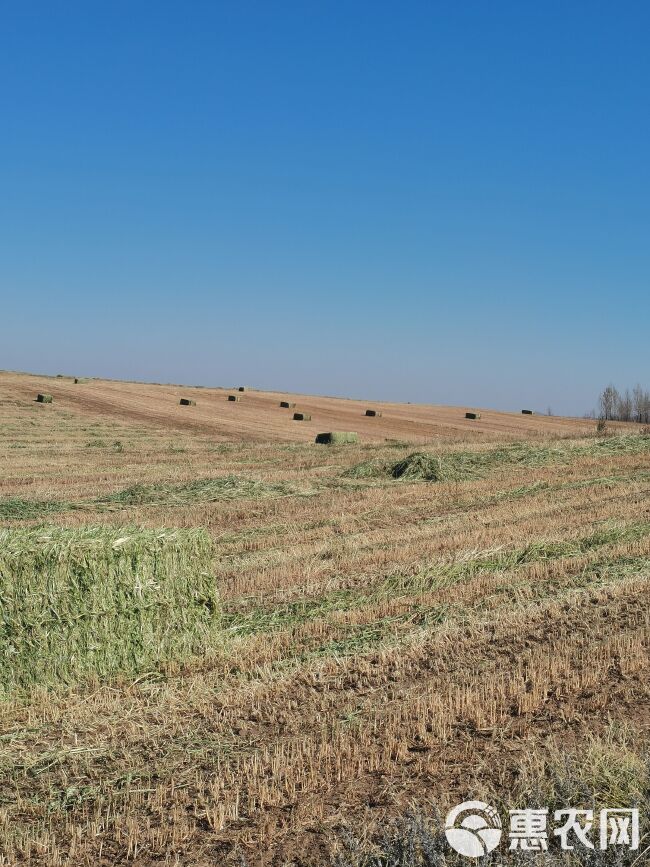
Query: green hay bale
pixel 287 404
pixel 185 401
pixel 44 398
pixel 527 412
pixel 80 379
pixel 93 602
pixel 472 415
pixel 337 437
pixel 374 412
pixel 234 397
pixel 301 416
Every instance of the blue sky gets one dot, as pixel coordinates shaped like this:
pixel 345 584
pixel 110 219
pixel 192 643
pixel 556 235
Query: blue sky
pixel 446 202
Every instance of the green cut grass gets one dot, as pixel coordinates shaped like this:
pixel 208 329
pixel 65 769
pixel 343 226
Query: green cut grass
pixel 466 465
pixel 88 603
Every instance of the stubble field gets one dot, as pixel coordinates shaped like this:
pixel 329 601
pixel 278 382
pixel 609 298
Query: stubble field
pixel 449 609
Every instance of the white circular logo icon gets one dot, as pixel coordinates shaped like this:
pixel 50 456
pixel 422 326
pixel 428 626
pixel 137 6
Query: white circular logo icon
pixel 473 829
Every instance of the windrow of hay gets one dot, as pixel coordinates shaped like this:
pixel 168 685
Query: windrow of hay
pixel 197 491
pixel 337 437
pixel 161 494
pixel 464 465
pixel 92 602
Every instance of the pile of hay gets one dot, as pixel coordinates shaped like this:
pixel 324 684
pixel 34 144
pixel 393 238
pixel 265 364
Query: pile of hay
pixel 185 401
pixel 234 397
pixel 93 602
pixel 301 416
pixel 44 398
pixel 374 412
pixel 472 415
pixel 337 437
pixel 287 404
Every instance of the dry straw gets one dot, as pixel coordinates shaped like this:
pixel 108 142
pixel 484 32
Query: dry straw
pixel 93 602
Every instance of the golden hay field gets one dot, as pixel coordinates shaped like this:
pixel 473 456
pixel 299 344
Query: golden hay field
pixel 389 643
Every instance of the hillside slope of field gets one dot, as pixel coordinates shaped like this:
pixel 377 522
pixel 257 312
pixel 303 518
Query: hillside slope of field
pixel 259 417
pixel 403 626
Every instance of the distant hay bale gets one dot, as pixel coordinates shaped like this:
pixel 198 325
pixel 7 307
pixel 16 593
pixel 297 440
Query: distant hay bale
pixel 81 603
pixel 527 412
pixel 234 397
pixel 185 401
pixel 287 404
pixel 81 379
pixel 337 437
pixel 472 415
pixel 374 413
pixel 44 398
pixel 243 388
pixel 301 416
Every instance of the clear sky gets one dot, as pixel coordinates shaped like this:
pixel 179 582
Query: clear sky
pixel 446 202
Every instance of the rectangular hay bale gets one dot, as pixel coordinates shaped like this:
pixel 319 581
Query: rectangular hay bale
pixel 301 416
pixel 472 415
pixel 242 388
pixel 234 397
pixel 44 398
pixel 374 413
pixel 92 602
pixel 287 404
pixel 185 401
pixel 337 437
pixel 527 412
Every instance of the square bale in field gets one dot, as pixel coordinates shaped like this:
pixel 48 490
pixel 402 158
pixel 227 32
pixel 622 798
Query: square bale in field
pixel 472 415
pixel 287 404
pixel 375 413
pixel 80 379
pixel 301 416
pixel 234 397
pixel 337 437
pixel 44 398
pixel 243 388
pixel 92 602
pixel 185 401
pixel 527 412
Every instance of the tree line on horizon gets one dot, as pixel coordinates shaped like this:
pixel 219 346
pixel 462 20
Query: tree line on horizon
pixel 628 405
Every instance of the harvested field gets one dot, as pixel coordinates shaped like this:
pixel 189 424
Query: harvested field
pixel 459 611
